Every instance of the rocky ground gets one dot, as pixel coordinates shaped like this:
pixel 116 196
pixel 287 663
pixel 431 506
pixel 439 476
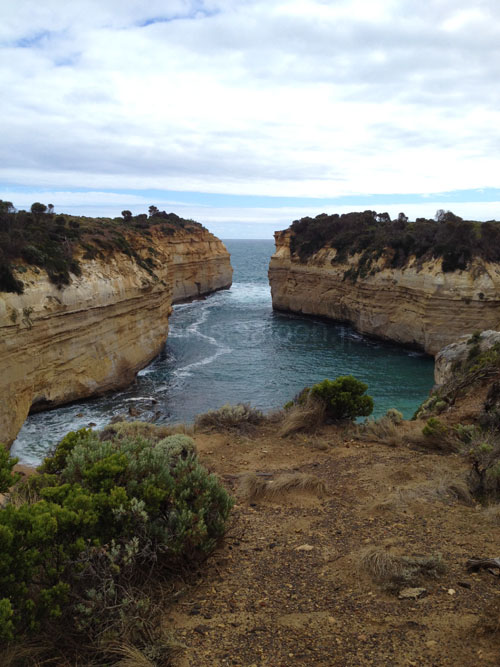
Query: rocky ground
pixel 289 585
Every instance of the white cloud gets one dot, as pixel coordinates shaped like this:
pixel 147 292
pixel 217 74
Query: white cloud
pixel 297 97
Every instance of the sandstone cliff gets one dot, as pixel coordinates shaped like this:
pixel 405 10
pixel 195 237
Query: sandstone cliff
pixel 58 345
pixel 418 304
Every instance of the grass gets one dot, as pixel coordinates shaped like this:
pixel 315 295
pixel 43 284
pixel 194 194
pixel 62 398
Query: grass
pixel 383 430
pixel 240 418
pixel 443 489
pixel 252 487
pixel 393 571
pixel 305 417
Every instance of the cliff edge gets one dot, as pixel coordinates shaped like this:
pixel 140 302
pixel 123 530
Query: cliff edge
pixel 382 278
pixel 60 343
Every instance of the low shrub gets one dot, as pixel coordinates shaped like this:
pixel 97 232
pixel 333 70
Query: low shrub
pixel 336 400
pixel 438 436
pixel 240 417
pixel 434 428
pixel 344 398
pixel 484 454
pixel 395 416
pixel 105 516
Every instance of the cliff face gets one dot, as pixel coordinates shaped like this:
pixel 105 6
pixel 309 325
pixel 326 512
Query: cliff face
pixel 466 349
pixel 416 305
pixel 59 345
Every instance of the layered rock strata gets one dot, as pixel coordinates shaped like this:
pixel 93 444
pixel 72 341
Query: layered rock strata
pixel 94 335
pixel 416 305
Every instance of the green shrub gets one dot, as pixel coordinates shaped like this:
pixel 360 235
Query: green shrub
pixel 440 437
pixel 395 416
pixel 41 239
pixel 372 235
pixel 344 398
pixel 106 513
pixel 434 428
pixel 7 477
pixel 484 454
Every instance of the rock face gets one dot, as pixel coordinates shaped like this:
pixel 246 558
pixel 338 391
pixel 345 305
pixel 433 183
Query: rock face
pixel 59 345
pixel 457 353
pixel 416 305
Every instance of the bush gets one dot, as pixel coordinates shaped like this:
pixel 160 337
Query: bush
pixel 343 398
pixel 106 515
pixel 484 454
pixel 374 235
pixel 434 428
pixel 41 239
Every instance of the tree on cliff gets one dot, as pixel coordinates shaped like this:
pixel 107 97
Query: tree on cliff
pixel 152 211
pixel 38 209
pixel 127 215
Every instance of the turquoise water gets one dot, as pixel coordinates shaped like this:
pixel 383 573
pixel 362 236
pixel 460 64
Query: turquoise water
pixel 233 348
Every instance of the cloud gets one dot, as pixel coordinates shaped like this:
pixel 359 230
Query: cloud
pixel 284 97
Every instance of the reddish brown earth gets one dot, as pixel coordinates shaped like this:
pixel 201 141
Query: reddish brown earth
pixel 263 601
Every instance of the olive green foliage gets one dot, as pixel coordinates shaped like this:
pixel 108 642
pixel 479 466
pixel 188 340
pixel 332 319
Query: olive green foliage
pixel 7 477
pixel 101 514
pixel 373 235
pixel 434 428
pixel 54 242
pixel 343 398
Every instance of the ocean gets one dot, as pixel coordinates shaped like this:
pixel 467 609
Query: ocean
pixel 231 348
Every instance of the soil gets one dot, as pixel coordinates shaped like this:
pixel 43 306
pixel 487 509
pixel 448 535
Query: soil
pixel 287 587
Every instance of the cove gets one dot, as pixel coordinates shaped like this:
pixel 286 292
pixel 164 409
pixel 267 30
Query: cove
pixel 231 347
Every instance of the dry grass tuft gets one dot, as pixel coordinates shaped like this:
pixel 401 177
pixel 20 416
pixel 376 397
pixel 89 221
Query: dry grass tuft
pixel 134 429
pixel 492 513
pixel 383 430
pixel 446 489
pixel 251 487
pixel 459 490
pixel 241 417
pixel 24 654
pixel 393 571
pixel 158 650
pixel 298 481
pixel 131 656
pixel 307 417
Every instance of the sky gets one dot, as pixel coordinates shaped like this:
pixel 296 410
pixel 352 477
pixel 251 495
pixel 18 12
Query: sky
pixel 248 114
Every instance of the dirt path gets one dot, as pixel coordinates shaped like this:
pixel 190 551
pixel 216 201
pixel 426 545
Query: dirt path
pixel 287 588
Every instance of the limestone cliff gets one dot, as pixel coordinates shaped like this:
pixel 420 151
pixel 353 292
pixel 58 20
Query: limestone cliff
pixel 417 304
pixel 58 345
pixel 465 351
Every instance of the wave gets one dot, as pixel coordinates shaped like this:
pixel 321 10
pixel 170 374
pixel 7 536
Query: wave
pixel 193 329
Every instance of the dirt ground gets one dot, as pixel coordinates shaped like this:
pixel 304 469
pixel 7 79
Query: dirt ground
pixel 288 586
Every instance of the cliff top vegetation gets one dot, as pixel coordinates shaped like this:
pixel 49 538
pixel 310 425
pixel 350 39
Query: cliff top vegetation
pixel 447 237
pixel 54 243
